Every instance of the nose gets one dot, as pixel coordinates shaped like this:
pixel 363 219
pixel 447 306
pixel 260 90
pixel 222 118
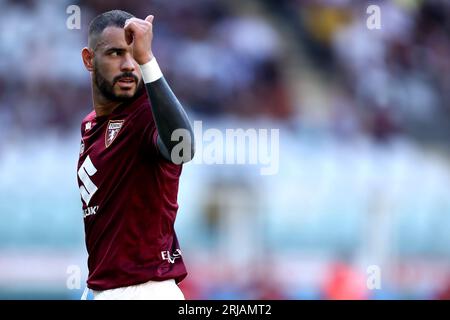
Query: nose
pixel 127 64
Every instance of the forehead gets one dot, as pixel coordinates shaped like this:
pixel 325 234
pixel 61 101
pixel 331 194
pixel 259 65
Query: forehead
pixel 112 37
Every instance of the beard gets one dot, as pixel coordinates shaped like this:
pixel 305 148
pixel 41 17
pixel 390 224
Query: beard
pixel 106 88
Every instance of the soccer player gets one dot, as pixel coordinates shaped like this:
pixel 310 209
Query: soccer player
pixel 128 170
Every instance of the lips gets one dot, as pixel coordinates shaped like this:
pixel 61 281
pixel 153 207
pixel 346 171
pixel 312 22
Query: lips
pixel 126 83
pixel 126 80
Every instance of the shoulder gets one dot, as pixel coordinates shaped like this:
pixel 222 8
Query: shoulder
pixel 89 117
pixel 141 111
pixel 143 102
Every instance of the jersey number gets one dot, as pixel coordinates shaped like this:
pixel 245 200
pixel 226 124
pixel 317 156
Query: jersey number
pixel 88 188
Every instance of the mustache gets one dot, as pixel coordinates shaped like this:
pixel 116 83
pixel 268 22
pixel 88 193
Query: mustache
pixel 126 75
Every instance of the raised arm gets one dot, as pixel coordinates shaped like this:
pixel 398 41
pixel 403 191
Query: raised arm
pixel 172 123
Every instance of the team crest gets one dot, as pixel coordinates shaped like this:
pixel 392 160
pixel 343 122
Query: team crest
pixel 112 131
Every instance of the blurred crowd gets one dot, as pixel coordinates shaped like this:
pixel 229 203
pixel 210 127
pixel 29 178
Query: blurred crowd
pixel 392 79
pixel 225 58
pixel 218 62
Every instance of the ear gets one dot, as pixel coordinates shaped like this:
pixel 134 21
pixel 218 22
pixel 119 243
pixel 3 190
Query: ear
pixel 88 58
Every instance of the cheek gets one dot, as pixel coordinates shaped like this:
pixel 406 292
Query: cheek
pixel 108 69
pixel 137 71
pixel 138 75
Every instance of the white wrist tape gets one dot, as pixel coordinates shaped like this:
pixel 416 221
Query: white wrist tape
pixel 150 71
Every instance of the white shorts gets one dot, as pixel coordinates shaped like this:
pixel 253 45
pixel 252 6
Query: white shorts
pixel 151 290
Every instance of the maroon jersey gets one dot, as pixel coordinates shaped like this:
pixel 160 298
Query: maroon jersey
pixel 129 195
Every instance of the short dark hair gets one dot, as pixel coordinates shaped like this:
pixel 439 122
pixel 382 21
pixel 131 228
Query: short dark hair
pixel 115 18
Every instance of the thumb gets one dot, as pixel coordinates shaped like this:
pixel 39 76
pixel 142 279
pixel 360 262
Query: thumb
pixel 149 18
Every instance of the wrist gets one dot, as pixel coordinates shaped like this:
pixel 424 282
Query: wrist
pixel 150 71
pixel 141 60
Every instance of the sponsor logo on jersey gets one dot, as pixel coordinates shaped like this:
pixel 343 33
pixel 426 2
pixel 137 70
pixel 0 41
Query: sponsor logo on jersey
pixel 112 130
pixel 89 211
pixel 81 147
pixel 166 255
pixel 88 126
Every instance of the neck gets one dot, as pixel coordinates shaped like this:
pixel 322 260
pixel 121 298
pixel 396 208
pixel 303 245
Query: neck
pixel 102 105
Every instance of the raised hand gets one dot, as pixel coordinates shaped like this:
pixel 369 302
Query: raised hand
pixel 139 34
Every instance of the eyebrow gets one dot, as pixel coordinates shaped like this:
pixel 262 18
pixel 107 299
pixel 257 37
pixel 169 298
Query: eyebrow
pixel 115 49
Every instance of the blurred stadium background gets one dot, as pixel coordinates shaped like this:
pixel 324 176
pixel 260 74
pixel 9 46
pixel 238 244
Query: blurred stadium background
pixel 364 119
